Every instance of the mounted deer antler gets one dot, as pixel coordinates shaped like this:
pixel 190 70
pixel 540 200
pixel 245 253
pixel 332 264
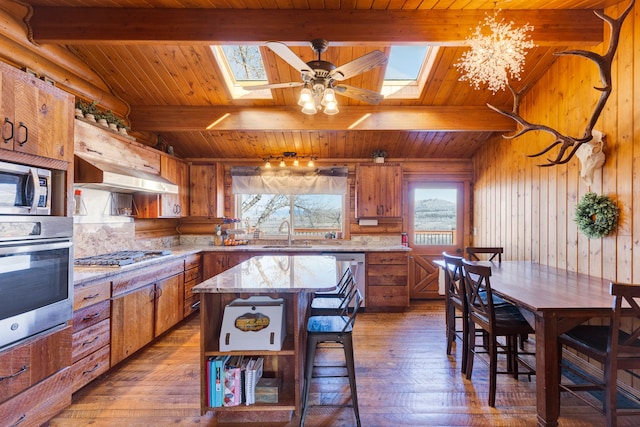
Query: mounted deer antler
pixel 604 64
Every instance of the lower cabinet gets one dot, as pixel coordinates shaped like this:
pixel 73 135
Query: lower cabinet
pixel 91 332
pixel 214 263
pixel 387 281
pixel 142 307
pixel 192 277
pixel 35 380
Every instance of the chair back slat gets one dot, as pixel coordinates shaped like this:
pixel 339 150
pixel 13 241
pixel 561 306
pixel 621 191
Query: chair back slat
pixel 356 298
pixel 492 252
pixel 624 339
pixel 479 294
pixel 454 284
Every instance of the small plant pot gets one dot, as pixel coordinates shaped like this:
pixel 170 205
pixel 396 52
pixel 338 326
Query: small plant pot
pixel 90 117
pixel 78 114
pixel 103 122
pixel 113 126
pixel 122 131
pixel 378 160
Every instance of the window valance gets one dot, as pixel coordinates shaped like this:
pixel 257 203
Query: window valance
pixel 257 180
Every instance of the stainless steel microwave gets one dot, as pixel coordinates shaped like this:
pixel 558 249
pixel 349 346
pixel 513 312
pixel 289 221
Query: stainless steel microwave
pixel 24 190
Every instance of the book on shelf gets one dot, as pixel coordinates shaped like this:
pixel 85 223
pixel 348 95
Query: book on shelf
pixel 233 386
pixel 253 374
pixel 216 380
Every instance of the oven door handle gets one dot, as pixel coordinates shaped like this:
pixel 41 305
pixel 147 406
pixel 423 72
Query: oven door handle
pixel 33 246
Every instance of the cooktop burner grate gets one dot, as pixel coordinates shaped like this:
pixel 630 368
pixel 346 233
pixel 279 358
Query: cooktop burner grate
pixel 120 258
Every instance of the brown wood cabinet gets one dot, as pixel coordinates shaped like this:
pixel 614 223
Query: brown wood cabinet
pixel 207 190
pixel 387 281
pixel 145 303
pixel 192 277
pixel 216 262
pixel 167 205
pixel 36 116
pixel 91 331
pixel 378 190
pixel 34 378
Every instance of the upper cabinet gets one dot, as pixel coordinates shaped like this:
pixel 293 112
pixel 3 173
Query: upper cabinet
pixel 37 117
pixel 378 190
pixel 167 205
pixel 207 192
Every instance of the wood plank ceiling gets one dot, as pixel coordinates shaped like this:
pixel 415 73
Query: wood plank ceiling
pixel 157 60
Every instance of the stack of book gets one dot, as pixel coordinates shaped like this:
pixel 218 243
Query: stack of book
pixel 232 380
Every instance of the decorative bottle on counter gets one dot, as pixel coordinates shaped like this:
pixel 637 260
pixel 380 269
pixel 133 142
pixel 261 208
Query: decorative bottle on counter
pixel 217 239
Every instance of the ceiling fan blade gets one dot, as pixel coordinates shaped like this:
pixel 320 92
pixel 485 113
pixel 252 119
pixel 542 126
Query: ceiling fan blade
pixel 283 51
pixel 273 86
pixel 359 65
pixel 358 93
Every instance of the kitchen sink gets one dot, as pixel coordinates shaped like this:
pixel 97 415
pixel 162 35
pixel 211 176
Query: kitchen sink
pixel 285 246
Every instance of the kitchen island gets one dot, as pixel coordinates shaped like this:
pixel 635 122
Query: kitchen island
pixel 292 278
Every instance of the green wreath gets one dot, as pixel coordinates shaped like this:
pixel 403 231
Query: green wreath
pixel 596 216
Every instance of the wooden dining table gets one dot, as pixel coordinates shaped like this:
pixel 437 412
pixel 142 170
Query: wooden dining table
pixel 553 301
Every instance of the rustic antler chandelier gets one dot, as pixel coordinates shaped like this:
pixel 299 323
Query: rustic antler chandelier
pixel 497 53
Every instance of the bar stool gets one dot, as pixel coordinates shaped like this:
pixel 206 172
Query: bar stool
pixel 332 329
pixel 335 303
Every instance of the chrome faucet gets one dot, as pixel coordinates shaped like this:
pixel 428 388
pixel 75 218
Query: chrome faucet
pixel 288 230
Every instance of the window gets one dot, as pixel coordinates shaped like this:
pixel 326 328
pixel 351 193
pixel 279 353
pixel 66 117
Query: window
pixel 313 202
pixel 407 71
pixel 242 65
pixel 311 215
pixel 435 216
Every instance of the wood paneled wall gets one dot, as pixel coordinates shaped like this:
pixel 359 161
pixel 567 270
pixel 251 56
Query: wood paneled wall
pixel 528 209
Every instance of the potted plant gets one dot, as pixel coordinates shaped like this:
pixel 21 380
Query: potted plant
pixel 112 120
pixel 88 109
pixel 101 119
pixel 378 156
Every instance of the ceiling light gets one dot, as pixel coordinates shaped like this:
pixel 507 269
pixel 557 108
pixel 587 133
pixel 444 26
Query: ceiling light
pixel 310 164
pixel 316 97
pixel 268 164
pixel 285 157
pixel 282 164
pixel 497 53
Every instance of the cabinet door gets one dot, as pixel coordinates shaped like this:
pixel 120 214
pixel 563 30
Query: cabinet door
pixel 174 205
pixel 169 303
pixel 36 117
pixel 206 185
pixel 132 322
pixel 379 190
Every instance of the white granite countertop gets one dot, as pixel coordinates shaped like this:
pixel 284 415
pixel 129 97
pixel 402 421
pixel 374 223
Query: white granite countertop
pixel 275 273
pixel 83 274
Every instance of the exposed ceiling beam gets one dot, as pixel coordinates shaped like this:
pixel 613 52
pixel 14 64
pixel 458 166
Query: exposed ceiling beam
pixel 79 25
pixel 454 119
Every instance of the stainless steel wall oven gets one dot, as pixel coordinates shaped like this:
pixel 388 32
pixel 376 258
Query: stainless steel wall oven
pixel 36 275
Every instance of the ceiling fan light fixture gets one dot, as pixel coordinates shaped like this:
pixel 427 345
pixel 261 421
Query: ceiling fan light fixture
pixel 310 107
pixel 328 97
pixel 305 96
pixel 331 108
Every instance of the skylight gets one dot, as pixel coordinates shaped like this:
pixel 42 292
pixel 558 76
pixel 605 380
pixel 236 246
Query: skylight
pixel 242 65
pixel 407 71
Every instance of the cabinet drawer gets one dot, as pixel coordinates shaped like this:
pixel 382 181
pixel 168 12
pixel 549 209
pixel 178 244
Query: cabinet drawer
pixel 91 315
pixel 191 304
pixel 192 261
pixel 39 357
pixel 90 293
pixel 390 275
pixel 90 339
pixel 192 275
pixel 133 280
pixel 40 403
pixel 89 368
pixel 391 296
pixel 387 258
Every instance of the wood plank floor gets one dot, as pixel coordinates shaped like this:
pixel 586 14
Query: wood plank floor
pixel 404 379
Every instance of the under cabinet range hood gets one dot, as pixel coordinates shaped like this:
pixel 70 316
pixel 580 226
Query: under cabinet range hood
pixel 91 173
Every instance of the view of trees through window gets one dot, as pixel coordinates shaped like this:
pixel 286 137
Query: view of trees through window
pixel 435 216
pixel 309 214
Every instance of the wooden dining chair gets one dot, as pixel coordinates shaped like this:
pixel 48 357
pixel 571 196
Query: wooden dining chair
pixel 455 305
pixel 615 346
pixel 491 253
pixel 505 321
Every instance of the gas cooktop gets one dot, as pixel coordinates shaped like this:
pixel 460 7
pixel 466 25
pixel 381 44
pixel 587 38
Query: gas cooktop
pixel 120 258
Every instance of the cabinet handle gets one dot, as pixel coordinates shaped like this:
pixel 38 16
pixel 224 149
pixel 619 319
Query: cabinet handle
pixel 21 371
pixel 159 291
pixel 90 371
pixel 10 123
pixel 91 316
pixel 92 296
pixel 149 166
pixel 91 150
pixel 26 134
pixel 195 305
pixel 152 294
pixel 20 420
pixel 91 342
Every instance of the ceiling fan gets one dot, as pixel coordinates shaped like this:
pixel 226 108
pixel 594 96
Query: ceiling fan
pixel 318 75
